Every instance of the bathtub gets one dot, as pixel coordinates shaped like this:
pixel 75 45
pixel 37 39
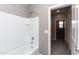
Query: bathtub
pixel 18 35
pixel 30 47
pixel 24 51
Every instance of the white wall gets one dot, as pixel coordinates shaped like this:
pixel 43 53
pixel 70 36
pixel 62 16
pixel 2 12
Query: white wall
pixel 13 32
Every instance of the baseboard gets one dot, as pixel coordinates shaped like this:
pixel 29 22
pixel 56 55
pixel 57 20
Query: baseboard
pixel 40 54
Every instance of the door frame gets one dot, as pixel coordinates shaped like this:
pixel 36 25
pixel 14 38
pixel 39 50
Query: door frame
pixel 49 22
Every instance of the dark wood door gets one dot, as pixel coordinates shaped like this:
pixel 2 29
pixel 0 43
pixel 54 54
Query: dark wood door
pixel 60 30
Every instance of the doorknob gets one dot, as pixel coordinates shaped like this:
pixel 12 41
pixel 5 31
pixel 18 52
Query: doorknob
pixel 33 38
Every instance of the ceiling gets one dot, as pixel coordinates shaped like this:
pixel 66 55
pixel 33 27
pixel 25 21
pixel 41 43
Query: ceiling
pixel 62 11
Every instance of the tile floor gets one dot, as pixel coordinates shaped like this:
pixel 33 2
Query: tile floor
pixel 59 47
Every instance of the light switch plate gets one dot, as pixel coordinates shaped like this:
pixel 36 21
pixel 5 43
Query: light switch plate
pixel 46 31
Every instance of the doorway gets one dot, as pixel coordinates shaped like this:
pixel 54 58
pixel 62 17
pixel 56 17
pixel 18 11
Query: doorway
pixel 60 31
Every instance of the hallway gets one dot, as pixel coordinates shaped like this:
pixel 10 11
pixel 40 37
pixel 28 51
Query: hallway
pixel 59 47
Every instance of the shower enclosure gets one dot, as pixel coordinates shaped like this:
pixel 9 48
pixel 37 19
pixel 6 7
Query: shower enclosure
pixel 18 35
